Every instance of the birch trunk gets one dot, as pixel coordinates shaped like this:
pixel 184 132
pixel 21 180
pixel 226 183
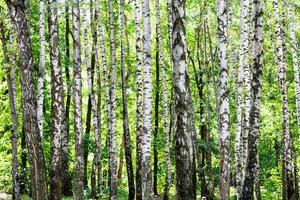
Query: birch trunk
pixel 112 134
pixel 246 39
pixel 146 145
pixel 280 51
pixel 91 94
pixel 40 84
pixel 104 68
pixel 126 133
pixel 208 154
pixel 10 66
pixel 224 134
pixel 183 134
pixel 156 119
pixel 79 144
pixel 239 85
pixel 56 103
pixel 164 102
pixel 66 178
pixel 251 165
pixel 33 139
pixel 139 100
pixel 94 15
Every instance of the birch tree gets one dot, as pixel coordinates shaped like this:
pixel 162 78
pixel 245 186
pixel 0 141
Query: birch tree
pixel 112 134
pixel 29 108
pixel 91 94
pixel 10 67
pixel 288 190
pixel 146 141
pixel 56 103
pixel 139 100
pixel 251 166
pixel 126 133
pixel 40 85
pixel 183 136
pixel 224 134
pixel 164 101
pixel 66 179
pixel 77 87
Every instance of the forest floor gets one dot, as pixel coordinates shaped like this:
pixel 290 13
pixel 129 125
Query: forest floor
pixel 4 196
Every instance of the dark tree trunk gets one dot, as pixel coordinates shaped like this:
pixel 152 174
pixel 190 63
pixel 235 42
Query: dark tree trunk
pixel 86 140
pixel 29 105
pixel 156 116
pixel 66 179
pixel 23 172
pixel 126 133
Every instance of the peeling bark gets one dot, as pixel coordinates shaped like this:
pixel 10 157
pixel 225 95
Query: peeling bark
pixel 79 143
pixel 56 104
pixel 183 134
pixel 224 134
pixel 33 138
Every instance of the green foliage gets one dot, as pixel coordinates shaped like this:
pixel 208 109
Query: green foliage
pixel 271 117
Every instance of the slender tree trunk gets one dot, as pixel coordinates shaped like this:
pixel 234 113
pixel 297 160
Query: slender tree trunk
pixel 251 166
pixel 156 124
pixel 79 143
pixel 56 103
pixel 121 159
pixel 99 105
pixel 40 84
pixel 23 165
pixel 288 186
pixel 139 100
pixel 87 139
pixel 245 60
pixel 146 146
pixel 240 83
pixel 126 133
pixel 224 134
pixel 92 96
pixel 66 179
pixel 112 134
pixel 33 139
pixel 10 66
pixel 183 136
pixel 105 73
pixel 202 128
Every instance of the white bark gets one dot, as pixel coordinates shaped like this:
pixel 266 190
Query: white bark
pixel 95 112
pixel 139 100
pixel 146 146
pixel 280 51
pixel 112 133
pixel 224 134
pixel 40 84
pixel 77 87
